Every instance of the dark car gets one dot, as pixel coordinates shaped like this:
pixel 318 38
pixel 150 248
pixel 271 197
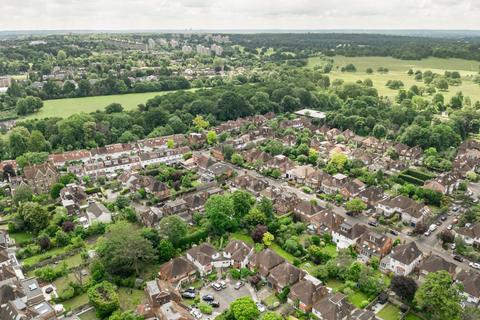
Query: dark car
pixel 458 258
pixel 395 233
pixel 188 295
pixel 208 297
pixel 350 213
pixel 191 289
pixel 49 290
pixel 214 304
pixel 373 223
pixel 443 218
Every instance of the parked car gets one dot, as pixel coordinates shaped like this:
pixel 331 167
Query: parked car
pixel 443 218
pixel 458 258
pixel 426 234
pixel 455 221
pixel 438 223
pixel 223 284
pixel 197 314
pixel 474 265
pixel 350 213
pixel 449 227
pixel 373 223
pixel 214 304
pixel 208 297
pixel 216 286
pixel 455 209
pixel 188 295
pixel 261 307
pixel 49 290
pixel 394 232
pixel 238 285
pixel 190 289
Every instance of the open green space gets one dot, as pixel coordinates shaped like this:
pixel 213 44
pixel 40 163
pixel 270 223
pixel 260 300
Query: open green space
pixel 411 316
pixel 282 253
pixel 398 71
pixel 389 312
pixel 76 302
pixel 242 237
pixel 21 237
pixel 89 315
pixel 333 283
pixel 130 298
pixel 66 107
pixel 357 298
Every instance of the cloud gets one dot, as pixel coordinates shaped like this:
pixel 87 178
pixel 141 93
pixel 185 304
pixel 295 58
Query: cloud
pixel 239 14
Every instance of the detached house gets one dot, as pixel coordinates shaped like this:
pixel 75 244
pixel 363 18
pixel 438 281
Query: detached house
pixel 250 183
pixel 205 257
pixel 73 198
pixel 372 244
pixel 284 275
pixel 403 259
pixel 470 234
pixel 41 177
pixel 434 263
pixel 347 234
pixel 372 195
pixel 326 221
pixel 305 293
pixel 411 211
pixel 177 270
pixel 265 261
pixel 305 209
pixel 95 213
pixel 471 286
pixel 300 173
pixel 240 253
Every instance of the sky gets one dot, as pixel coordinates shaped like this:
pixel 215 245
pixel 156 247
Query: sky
pixel 238 14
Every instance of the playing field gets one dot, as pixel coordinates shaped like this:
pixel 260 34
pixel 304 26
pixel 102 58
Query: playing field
pixel 66 107
pixel 398 71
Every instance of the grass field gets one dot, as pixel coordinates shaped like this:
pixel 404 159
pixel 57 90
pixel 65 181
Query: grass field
pixel 389 312
pixel 398 71
pixel 66 107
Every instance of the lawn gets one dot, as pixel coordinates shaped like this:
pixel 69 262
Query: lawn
pixel 356 298
pixel 398 71
pixel 46 255
pixel 334 283
pixel 21 237
pixel 389 312
pixel 411 316
pixel 330 249
pixel 76 301
pixel 89 315
pixel 242 237
pixel 130 298
pixel 66 107
pixel 282 253
pixel 271 301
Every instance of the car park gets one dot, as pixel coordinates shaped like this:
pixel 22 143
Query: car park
pixel 238 285
pixel 208 297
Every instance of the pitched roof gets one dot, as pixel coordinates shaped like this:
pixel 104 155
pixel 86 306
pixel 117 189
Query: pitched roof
pixel 436 263
pixel 203 253
pixel 406 253
pixel 238 249
pixel 307 292
pixel 266 260
pixel 286 274
pixel 176 267
pixel 334 307
pixel 471 282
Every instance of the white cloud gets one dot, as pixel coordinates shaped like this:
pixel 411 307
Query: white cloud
pixel 239 14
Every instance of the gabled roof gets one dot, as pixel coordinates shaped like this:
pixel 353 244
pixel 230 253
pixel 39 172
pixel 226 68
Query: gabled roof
pixel 238 249
pixel 307 292
pixel 406 253
pixel 436 263
pixel 471 282
pixel 203 253
pixel 286 274
pixel 176 267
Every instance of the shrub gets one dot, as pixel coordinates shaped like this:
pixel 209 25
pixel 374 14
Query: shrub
pixel 205 308
pixel 104 298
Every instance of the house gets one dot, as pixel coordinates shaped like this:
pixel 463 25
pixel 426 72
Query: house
pixel 265 261
pixel 372 195
pixel 334 306
pixel 333 184
pixel 112 151
pixel 240 253
pixel 314 180
pixel 326 221
pixel 151 186
pixel 174 311
pixel 250 183
pixel 73 198
pixel 95 213
pixel 281 163
pixel 434 263
pixel 150 217
pixel 305 209
pixel 372 244
pixel 347 234
pixel 471 286
pixel 411 212
pixel 300 173
pixel 177 270
pixel 256 156
pixel 470 234
pixel 109 165
pixel 284 275
pixel 283 200
pixel 217 170
pixel 352 188
pixel 403 259
pixel 177 206
pixel 41 177
pixel 305 293
pixel 18 309
pixel 8 276
pixel 160 292
pixel 60 159
pixel 205 257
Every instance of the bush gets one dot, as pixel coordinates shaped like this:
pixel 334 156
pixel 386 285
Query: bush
pixel 205 308
pixel 66 293
pixel 104 298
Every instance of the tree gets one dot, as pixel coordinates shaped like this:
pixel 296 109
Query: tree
pixel 122 202
pixel 124 250
pixel 28 105
pixel 268 239
pixel 237 159
pixel 33 216
pixel 211 137
pixel 103 297
pixel 166 250
pixel 242 202
pixel 244 309
pixel 355 205
pixel 441 84
pixel 127 315
pixel 404 287
pixel 173 228
pixel 272 316
pixel 22 194
pixel 258 232
pixel 55 190
pixel 200 123
pixel 220 211
pixel 255 217
pixel 337 163
pixel 447 236
pixel 61 55
pixel 439 297
pixel 290 104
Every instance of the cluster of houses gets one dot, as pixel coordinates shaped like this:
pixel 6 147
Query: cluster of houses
pixel 21 297
pixel 306 292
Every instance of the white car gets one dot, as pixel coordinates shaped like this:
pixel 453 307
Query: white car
pixel 449 227
pixel 197 314
pixel 474 265
pixel 261 307
pixel 223 284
